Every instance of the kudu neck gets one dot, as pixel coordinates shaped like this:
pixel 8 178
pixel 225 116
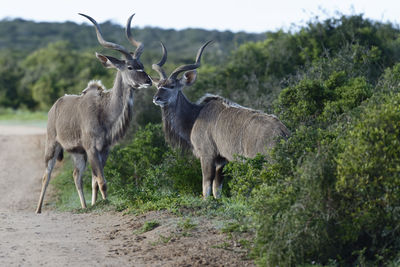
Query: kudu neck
pixel 178 119
pixel 119 108
pixel 120 88
pixel 120 95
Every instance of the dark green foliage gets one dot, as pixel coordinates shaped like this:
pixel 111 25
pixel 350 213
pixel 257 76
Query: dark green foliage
pixel 328 87
pixel 294 208
pixel 253 73
pixel 146 170
pixel 368 178
pixel 334 33
pixel 330 193
pixel 312 100
pixel 246 176
pixel 390 82
pixel 25 35
pixel 256 72
pixel 28 36
pixel 55 70
pixel 144 110
pixel 10 75
pixel 127 165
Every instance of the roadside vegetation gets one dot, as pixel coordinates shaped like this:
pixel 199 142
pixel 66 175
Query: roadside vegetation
pixel 328 196
pixel 9 114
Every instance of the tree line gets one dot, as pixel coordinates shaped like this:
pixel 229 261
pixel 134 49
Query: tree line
pixel 42 61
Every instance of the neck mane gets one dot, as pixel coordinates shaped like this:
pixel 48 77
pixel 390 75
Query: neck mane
pixel 119 109
pixel 178 120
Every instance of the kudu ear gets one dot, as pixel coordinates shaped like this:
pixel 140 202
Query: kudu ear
pixel 189 78
pixel 110 62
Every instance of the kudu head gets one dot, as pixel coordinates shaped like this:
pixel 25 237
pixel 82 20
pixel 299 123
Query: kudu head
pixel 130 67
pixel 168 88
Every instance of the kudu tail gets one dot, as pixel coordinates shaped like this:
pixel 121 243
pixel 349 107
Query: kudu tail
pixel 60 155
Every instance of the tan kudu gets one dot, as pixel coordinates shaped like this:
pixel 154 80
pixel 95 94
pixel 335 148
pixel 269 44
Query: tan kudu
pixel 214 128
pixel 87 125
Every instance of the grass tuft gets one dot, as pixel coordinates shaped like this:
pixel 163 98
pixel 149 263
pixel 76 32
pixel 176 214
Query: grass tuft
pixel 148 226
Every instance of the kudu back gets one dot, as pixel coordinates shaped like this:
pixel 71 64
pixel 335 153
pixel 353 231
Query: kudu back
pixel 214 128
pixel 87 125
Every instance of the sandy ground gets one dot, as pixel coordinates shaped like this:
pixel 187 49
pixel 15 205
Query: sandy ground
pixel 92 239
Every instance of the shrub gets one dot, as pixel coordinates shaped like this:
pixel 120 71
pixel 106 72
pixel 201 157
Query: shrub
pixel 146 170
pixel 294 208
pixel 127 165
pixel 390 81
pixel 243 176
pixel 328 87
pixel 298 212
pixel 369 182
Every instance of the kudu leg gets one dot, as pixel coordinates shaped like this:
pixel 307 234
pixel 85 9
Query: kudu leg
pixel 95 188
pixel 208 171
pixel 97 172
pixel 102 185
pixel 217 182
pixel 46 178
pixel 80 165
pixel 95 185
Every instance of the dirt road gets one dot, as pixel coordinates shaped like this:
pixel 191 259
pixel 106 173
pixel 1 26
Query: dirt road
pixel 108 239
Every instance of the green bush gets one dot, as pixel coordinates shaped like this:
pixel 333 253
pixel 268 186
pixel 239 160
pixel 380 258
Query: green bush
pixel 289 197
pixel 329 87
pixel 294 210
pixel 298 203
pixel 368 179
pixel 390 81
pixel 57 69
pixel 146 170
pixel 127 165
pixel 243 176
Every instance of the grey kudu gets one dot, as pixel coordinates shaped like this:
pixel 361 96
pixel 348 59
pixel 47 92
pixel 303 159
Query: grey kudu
pixel 87 125
pixel 214 128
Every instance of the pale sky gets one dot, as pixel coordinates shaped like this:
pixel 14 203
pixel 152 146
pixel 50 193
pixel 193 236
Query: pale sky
pixel 233 15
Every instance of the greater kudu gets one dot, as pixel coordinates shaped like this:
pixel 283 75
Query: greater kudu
pixel 87 125
pixel 214 128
